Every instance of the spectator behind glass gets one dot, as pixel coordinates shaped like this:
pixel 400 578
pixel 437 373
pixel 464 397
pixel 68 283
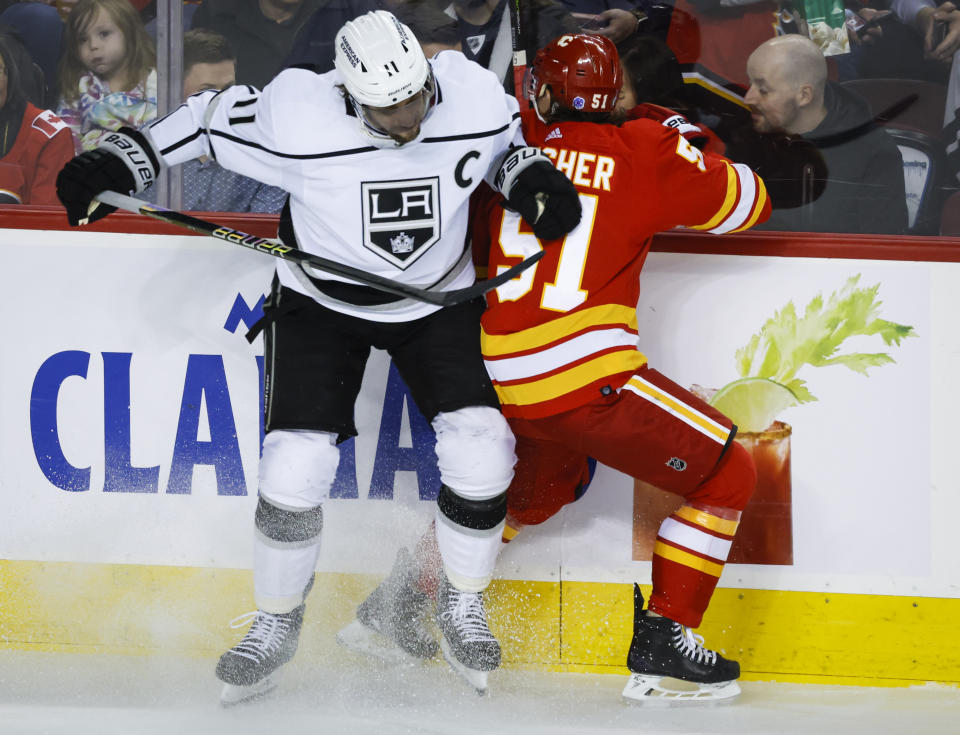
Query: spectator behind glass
pixel 653 88
pixel 261 31
pixel 486 34
pixel 789 93
pixel 41 29
pixel 31 76
pixel 34 143
pixel 314 46
pixel 108 77
pixel 209 63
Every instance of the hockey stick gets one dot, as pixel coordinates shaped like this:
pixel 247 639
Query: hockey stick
pixel 279 250
pixel 519 54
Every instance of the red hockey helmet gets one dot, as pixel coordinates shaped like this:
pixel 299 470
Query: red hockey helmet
pixel 583 72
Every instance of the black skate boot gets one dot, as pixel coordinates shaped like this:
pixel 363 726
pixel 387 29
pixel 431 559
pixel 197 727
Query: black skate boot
pixel 663 649
pixel 467 643
pixel 390 622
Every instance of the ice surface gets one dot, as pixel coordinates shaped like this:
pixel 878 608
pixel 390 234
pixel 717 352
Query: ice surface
pixel 85 694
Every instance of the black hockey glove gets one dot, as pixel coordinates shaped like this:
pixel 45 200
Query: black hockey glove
pixel 124 162
pixel 542 195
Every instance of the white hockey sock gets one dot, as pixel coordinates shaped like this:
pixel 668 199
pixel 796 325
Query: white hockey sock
pixel 280 575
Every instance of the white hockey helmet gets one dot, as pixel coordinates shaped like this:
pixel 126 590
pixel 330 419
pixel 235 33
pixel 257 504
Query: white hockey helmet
pixel 380 60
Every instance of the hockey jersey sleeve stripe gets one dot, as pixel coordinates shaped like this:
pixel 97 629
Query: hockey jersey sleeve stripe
pixel 728 201
pixel 241 120
pixel 471 136
pixel 674 406
pixel 295 156
pixel 565 353
pixel 182 142
pixel 545 389
pixel 758 207
pixel 555 330
pixel 748 196
pixel 679 556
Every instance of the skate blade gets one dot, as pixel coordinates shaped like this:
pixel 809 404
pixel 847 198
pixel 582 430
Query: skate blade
pixel 664 691
pixel 358 637
pixel 473 677
pixel 232 694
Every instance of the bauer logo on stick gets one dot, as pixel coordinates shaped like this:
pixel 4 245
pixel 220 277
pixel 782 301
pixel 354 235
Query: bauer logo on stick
pixel 401 219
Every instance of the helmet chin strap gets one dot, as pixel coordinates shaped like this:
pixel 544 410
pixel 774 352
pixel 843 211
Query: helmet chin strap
pixel 536 107
pixel 383 139
pixel 380 138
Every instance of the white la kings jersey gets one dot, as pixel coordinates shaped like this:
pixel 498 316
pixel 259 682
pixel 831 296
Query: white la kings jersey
pixel 398 212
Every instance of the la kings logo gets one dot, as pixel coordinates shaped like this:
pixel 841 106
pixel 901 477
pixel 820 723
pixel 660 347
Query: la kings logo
pixel 401 219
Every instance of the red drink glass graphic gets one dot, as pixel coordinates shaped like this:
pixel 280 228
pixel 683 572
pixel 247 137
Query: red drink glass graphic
pixel 765 535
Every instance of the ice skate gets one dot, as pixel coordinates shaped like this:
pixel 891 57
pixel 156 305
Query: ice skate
pixel 467 643
pixel 670 665
pixel 390 623
pixel 252 667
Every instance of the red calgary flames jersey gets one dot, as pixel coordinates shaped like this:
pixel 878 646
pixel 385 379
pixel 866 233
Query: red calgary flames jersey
pixel 564 332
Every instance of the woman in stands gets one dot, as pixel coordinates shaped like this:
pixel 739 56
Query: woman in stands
pixel 34 143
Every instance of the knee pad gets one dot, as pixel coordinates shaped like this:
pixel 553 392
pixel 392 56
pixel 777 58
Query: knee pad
pixel 475 451
pixel 732 482
pixel 298 468
pixel 477 515
pixel 286 527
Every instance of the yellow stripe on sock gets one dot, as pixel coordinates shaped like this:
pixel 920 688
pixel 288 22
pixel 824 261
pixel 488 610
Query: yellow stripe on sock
pixel 671 553
pixel 712 522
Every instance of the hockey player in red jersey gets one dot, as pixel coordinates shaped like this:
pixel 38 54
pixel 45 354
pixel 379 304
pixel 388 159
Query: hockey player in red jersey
pixel 561 346
pixel 560 343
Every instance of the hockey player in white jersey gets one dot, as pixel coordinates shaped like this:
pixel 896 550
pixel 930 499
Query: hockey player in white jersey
pixel 379 158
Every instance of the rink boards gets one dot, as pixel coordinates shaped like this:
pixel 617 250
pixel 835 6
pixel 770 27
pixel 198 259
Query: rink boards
pixel 129 419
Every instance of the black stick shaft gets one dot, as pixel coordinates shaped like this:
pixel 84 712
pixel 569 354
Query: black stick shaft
pixel 279 250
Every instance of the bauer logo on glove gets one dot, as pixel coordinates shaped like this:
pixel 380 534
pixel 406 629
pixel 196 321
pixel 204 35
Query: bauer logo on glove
pixel 125 147
pixel 542 195
pixel 124 162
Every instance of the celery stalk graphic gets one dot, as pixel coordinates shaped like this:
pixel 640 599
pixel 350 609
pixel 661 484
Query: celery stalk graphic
pixel 768 364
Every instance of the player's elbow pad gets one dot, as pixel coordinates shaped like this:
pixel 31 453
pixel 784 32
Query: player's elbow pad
pixel 542 195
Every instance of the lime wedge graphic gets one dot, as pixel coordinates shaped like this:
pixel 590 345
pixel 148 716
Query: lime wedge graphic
pixel 753 403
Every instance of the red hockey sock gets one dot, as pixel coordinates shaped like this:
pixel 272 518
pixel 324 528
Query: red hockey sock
pixel 689 555
pixel 693 543
pixel 429 562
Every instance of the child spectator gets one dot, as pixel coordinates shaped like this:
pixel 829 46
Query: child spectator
pixel 34 143
pixel 108 77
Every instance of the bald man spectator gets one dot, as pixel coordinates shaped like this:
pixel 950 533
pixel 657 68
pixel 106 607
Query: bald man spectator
pixel 791 99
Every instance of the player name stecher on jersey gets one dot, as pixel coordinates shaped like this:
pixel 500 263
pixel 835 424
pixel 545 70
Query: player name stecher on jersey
pixel 565 331
pixel 397 212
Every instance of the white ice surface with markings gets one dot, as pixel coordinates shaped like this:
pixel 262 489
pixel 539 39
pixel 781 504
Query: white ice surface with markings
pixel 78 694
